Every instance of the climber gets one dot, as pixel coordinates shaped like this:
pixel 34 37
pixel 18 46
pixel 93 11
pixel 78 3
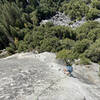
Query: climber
pixel 68 70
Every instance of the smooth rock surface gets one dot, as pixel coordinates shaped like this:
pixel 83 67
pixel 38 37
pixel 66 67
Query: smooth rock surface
pixel 98 20
pixel 29 76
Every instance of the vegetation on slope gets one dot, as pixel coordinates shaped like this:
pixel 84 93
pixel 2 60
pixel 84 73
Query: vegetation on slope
pixel 20 29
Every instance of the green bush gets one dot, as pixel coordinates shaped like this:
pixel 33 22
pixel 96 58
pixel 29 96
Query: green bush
pixel 50 44
pixel 62 32
pixel 67 43
pixel 81 46
pixel 89 30
pixel 46 8
pixel 87 1
pixel 34 17
pixel 47 37
pixel 93 52
pixel 23 47
pixel 85 61
pixel 28 38
pixel 94 34
pixel 66 55
pixel 11 49
pixel 87 27
pixel 92 14
pixel 96 4
pixel 81 36
pixel 91 36
pixel 36 38
pixel 76 9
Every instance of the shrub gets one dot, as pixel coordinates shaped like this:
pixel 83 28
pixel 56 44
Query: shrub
pixel 91 36
pixel 75 9
pixel 50 44
pixel 89 30
pixel 34 17
pixel 67 43
pixel 94 34
pixel 81 36
pixel 81 46
pixel 62 32
pixel 11 49
pixel 36 38
pixel 28 38
pixel 92 14
pixel 95 4
pixel 66 55
pixel 85 61
pixel 23 47
pixel 93 52
pixel 87 1
pixel 46 8
pixel 87 27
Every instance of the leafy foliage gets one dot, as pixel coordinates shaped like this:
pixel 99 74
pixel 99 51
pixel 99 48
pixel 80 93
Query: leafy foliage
pixel 76 9
pixel 81 46
pixel 92 14
pixel 85 61
pixel 93 52
pixel 96 4
pixel 11 20
pixel 20 29
pixel 50 44
pixel 66 55
pixel 67 43
pixel 86 29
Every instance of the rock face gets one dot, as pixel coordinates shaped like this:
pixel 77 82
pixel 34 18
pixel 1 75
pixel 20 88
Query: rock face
pixel 98 20
pixel 29 76
pixel 62 19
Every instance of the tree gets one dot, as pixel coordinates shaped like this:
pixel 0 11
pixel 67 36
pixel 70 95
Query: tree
pixel 75 9
pixel 66 55
pixel 85 61
pixel 94 34
pixel 9 14
pixel 95 4
pixel 92 14
pixel 81 46
pixel 46 8
pixel 87 27
pixel 22 46
pixel 93 52
pixel 67 43
pixel 50 44
pixel 62 32
pixel 13 21
pixel 34 18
